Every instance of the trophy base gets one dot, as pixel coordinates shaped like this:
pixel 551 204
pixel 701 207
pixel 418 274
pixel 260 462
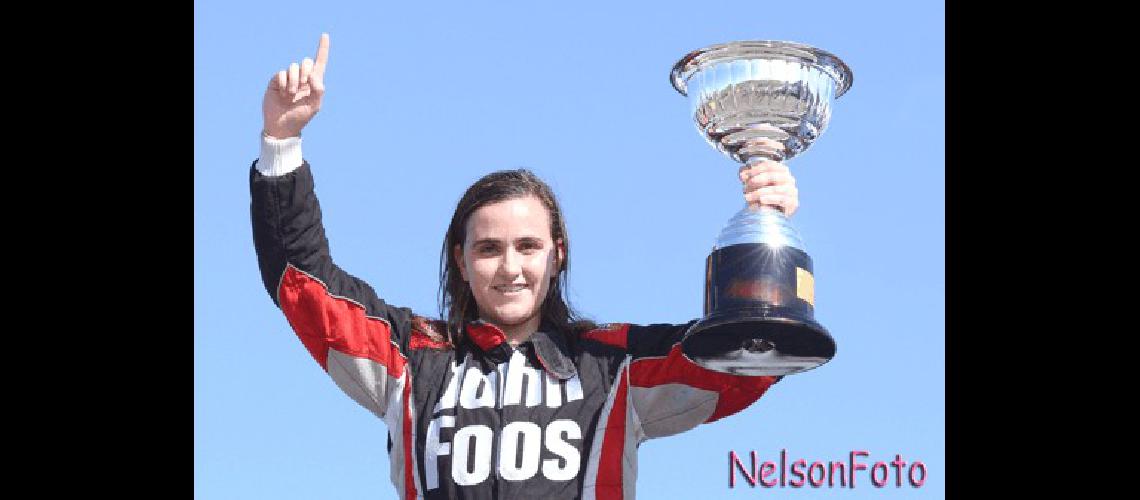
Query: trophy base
pixel 761 341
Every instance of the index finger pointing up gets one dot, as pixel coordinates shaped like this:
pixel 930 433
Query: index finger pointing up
pixel 322 55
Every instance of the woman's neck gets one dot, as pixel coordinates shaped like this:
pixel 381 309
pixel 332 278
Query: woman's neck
pixel 517 334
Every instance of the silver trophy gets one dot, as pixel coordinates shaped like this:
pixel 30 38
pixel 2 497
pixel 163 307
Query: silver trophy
pixel 756 100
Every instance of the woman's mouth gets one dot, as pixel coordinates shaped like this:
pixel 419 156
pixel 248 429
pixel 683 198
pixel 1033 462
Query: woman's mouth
pixel 509 289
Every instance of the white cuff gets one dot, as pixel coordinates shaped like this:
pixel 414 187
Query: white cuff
pixel 279 156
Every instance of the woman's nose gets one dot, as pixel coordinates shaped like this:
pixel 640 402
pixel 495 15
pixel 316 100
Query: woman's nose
pixel 511 262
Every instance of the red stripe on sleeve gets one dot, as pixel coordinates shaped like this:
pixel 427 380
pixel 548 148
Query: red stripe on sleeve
pixel 609 483
pixel 736 391
pixel 616 335
pixel 409 479
pixel 323 321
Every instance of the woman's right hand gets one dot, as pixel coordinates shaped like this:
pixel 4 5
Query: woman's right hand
pixel 294 95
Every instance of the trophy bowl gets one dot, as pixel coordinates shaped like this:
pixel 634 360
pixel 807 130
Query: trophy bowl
pixel 758 100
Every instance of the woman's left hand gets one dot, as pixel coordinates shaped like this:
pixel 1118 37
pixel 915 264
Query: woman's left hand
pixel 770 183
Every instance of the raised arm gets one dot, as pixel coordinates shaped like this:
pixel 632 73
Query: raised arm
pixel 355 336
pixel 667 392
pixel 670 393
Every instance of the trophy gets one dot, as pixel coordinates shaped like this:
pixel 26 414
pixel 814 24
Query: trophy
pixel 756 100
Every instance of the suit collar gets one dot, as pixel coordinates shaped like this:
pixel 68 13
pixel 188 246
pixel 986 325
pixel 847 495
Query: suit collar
pixel 549 346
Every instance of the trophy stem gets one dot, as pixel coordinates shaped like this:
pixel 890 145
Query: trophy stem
pixel 760 224
pixel 758 153
pixel 774 152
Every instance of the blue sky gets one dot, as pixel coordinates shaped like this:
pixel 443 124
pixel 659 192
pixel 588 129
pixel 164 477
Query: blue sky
pixel 423 98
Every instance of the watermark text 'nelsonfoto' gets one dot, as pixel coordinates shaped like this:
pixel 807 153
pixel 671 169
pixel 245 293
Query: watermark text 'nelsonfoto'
pixel 832 474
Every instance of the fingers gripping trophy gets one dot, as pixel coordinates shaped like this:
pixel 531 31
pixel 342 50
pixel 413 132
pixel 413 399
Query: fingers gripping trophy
pixel 756 101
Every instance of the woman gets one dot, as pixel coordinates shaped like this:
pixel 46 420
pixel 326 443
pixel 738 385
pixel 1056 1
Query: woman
pixel 511 394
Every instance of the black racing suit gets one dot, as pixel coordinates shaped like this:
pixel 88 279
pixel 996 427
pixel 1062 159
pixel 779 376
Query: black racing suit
pixel 555 417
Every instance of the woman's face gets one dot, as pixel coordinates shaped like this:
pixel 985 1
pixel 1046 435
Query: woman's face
pixel 509 259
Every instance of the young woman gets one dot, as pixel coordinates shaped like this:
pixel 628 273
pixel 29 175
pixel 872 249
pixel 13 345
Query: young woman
pixel 510 394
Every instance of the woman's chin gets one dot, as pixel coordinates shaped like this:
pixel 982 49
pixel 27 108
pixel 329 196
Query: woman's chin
pixel 511 316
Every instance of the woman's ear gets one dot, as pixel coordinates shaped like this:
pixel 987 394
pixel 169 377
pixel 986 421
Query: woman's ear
pixel 561 254
pixel 458 251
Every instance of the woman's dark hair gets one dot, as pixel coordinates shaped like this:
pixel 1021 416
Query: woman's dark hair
pixel 456 302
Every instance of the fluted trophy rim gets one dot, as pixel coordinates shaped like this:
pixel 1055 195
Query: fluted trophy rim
pixel 753 49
